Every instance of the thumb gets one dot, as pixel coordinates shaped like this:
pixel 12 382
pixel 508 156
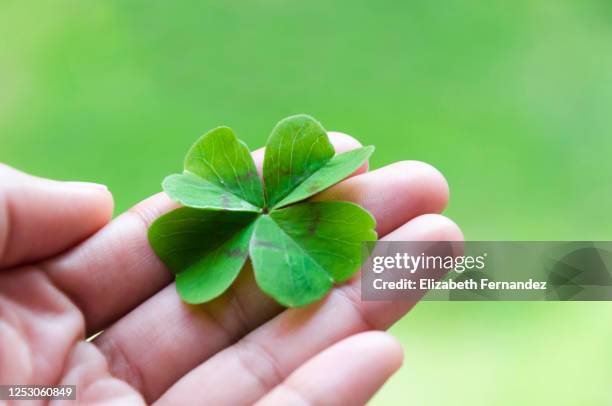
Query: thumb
pixel 41 217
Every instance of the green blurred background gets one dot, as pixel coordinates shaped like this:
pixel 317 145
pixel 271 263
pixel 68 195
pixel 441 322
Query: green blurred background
pixel 510 100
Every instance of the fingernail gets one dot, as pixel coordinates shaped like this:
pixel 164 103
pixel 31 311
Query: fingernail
pixel 89 185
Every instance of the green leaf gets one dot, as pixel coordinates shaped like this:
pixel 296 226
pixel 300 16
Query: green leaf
pixel 297 148
pixel 299 252
pixel 193 191
pixel 224 166
pixel 205 248
pixel 334 170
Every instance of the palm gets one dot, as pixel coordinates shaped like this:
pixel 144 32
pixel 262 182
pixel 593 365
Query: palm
pixel 154 347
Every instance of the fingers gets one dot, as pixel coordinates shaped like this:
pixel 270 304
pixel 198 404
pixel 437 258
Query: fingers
pixel 417 188
pixel 116 270
pixel 347 373
pixel 266 356
pixel 180 336
pixel 40 217
pixel 428 227
pixel 178 329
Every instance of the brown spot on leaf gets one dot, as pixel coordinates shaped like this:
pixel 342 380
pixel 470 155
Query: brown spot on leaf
pixel 313 188
pixel 236 252
pixel 225 201
pixel 316 219
pixel 265 244
pixel 247 176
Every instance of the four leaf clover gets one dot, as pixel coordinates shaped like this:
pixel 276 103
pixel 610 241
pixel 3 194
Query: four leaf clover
pixel 298 249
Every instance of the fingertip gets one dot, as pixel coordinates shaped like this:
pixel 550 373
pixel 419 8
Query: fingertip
pixel 433 184
pixel 427 227
pixel 442 227
pixel 395 193
pixel 45 217
pixel 93 200
pixel 106 206
pixel 393 348
pixel 343 142
pixel 387 350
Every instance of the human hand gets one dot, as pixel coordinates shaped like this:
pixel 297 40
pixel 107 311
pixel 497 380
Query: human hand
pixel 66 274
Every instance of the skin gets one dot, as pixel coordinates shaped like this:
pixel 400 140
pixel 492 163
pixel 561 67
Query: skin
pixel 67 272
